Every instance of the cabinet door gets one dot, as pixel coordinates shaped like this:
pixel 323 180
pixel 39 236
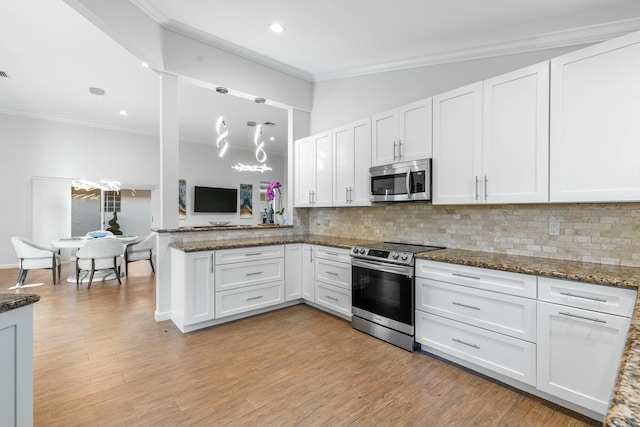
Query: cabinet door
pixel 362 163
pixel 414 131
pixel 595 105
pixel 457 146
pixel 199 288
pixel 343 162
pixel 305 167
pixel 578 354
pixel 308 272
pixel 323 181
pixel 384 138
pixel 293 272
pixel 515 143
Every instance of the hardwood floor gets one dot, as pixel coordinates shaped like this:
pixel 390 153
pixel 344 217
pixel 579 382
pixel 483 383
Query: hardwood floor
pixel 101 360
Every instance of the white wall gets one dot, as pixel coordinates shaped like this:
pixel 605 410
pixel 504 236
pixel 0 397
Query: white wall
pixel 40 148
pixel 340 101
pixel 200 165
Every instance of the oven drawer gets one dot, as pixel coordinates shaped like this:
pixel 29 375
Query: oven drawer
pixel 523 285
pixel 334 298
pixel 254 253
pixel 506 314
pixel 333 273
pixel 334 254
pixel 237 301
pixel 505 355
pixel 232 276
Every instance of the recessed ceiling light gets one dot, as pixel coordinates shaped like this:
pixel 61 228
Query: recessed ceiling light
pixel 269 124
pixel 123 113
pixel 145 65
pixel 276 28
pixel 273 138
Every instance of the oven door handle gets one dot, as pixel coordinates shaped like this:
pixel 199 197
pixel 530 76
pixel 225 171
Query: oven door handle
pixel 387 268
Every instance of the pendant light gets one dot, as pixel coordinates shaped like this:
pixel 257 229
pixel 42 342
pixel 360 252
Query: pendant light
pixel 261 155
pixel 223 132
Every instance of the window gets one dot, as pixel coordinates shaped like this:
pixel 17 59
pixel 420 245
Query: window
pixel 112 201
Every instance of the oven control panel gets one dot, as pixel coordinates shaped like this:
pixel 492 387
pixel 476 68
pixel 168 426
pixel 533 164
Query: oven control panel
pixel 382 255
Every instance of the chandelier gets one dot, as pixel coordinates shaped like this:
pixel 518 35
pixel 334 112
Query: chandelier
pixel 223 132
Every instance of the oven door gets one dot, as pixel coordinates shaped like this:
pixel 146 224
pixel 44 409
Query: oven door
pixel 383 293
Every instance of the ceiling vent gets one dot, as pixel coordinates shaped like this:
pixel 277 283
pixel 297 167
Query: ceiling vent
pixel 269 124
pixel 4 74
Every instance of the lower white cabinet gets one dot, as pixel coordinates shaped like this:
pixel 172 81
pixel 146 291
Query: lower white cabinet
pixel 508 356
pixel 308 272
pixel 192 287
pixel 334 298
pixel 333 280
pixel 241 300
pixel 293 271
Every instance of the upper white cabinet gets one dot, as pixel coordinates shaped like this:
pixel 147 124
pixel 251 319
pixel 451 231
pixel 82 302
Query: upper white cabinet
pixel 491 139
pixel 402 134
pixel 313 171
pixel 351 163
pixel 595 130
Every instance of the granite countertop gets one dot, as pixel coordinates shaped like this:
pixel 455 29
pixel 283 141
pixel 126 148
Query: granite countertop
pixel 230 227
pixel 210 245
pixel 13 301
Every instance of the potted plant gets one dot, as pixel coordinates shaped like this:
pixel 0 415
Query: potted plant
pixel 271 196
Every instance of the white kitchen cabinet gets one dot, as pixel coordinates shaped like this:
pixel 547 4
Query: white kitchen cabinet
pixel 242 300
pixel 490 140
pixel 402 134
pixel 308 272
pixel 192 288
pixel 334 298
pixel 16 367
pixel 351 163
pixel 293 272
pixel 333 280
pixel 579 353
pixel 313 171
pixel 248 273
pixel 595 105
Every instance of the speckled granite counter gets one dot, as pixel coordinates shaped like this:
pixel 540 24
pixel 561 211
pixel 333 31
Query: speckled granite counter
pixel 624 409
pixel 13 301
pixel 336 242
pixel 220 228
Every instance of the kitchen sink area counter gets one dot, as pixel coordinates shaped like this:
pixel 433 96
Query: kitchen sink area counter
pixel 624 409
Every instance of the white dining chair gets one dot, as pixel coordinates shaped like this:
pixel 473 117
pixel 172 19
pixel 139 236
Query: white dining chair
pixel 34 256
pixel 99 254
pixel 140 251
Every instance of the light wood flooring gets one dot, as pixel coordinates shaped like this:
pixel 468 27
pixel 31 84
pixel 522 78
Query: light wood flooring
pixel 101 360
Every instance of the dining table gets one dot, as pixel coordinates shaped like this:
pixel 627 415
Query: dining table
pixel 76 242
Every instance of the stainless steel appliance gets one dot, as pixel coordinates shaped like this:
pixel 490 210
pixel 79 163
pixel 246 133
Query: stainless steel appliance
pixel 383 291
pixel 401 182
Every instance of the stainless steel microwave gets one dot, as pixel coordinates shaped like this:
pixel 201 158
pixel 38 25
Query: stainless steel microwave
pixel 401 182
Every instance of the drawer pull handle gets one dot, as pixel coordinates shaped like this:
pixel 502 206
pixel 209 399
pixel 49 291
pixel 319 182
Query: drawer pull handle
pixel 466 276
pixel 255 273
pixel 254 298
pixel 593 319
pixel 465 343
pixel 253 254
pixel 332 253
pixel 331 298
pixel 465 305
pixel 569 294
pixel 333 273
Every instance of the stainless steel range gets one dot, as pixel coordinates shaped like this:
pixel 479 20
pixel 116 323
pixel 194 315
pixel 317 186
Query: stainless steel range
pixel 383 291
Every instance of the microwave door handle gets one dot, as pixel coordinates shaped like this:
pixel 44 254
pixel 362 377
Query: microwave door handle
pixel 409 184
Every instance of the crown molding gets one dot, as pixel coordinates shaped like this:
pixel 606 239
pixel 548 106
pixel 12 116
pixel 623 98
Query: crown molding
pixel 151 11
pixel 77 122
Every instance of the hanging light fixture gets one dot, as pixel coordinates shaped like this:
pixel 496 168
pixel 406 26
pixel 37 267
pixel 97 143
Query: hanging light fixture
pixel 221 142
pixel 261 155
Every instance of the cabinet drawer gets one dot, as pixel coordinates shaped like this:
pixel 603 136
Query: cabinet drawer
pixel 523 285
pixel 253 253
pixel 606 299
pixel 508 356
pixel 334 273
pixel 335 254
pixel 237 301
pixel 506 314
pixel 333 298
pixel 232 276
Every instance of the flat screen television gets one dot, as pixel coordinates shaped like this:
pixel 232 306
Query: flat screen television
pixel 212 199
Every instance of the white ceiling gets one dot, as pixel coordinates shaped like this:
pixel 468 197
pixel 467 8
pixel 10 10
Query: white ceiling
pixel 53 55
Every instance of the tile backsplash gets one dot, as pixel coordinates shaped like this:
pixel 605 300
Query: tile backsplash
pixel 607 233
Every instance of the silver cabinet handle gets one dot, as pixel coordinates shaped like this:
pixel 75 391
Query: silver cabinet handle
pixel 253 254
pixel 346 194
pixel 351 194
pixel 331 298
pixel 254 298
pixel 400 154
pixel 477 184
pixel 309 197
pixel 255 273
pixel 332 253
pixel 569 294
pixel 465 305
pixel 313 197
pixel 395 144
pixel 465 276
pixel 311 254
pixel 333 273
pixel 593 319
pixel 211 263
pixel 486 180
pixel 465 343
